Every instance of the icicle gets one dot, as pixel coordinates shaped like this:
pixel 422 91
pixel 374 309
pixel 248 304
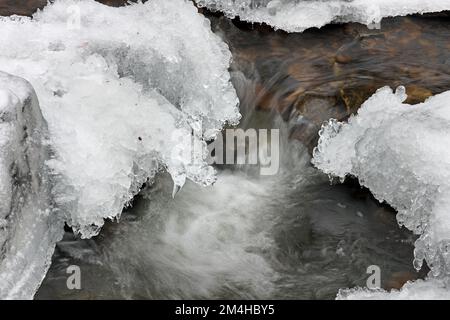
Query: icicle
pixel 176 189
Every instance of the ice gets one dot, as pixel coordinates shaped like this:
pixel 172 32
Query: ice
pixel 28 230
pixel 299 15
pixel 400 152
pixel 125 93
pixel 431 289
pixel 119 95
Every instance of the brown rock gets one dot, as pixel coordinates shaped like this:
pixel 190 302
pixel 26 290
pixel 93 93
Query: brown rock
pixel 305 131
pixel 354 97
pixel 265 100
pixel 23 8
pixel 417 94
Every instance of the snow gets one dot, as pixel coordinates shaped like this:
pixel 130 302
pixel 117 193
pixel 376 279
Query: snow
pixel 299 15
pixel 400 152
pixel 124 93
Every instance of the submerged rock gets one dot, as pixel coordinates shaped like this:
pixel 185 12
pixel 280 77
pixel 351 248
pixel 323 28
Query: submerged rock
pixel 316 75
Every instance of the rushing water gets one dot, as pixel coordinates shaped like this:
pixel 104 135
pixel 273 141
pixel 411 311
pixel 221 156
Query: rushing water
pixel 292 235
pixel 287 236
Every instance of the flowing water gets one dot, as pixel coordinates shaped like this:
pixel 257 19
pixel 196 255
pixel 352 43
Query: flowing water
pixel 288 236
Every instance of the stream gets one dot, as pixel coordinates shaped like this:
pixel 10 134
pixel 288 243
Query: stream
pixel 289 236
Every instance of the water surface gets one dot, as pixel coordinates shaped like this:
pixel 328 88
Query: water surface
pixel 288 236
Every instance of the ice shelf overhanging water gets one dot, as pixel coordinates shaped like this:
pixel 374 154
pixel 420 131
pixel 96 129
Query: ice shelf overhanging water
pixel 400 152
pixel 111 84
pixel 299 15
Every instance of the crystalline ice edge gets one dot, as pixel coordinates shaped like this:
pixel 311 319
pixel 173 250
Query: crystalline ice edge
pixel 431 289
pixel 299 15
pixel 125 93
pixel 401 153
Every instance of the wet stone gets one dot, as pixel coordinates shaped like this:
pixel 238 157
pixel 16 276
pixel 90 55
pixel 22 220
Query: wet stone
pixel 346 62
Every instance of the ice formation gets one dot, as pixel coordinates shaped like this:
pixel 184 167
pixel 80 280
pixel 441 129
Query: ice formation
pixel 431 289
pixel 28 229
pixel 124 92
pixel 400 152
pixel 298 15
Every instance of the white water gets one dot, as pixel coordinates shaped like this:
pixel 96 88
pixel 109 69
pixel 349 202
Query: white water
pixel 184 246
pixel 299 15
pixel 290 236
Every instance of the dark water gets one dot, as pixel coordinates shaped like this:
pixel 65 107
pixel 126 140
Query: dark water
pixel 330 72
pixel 292 235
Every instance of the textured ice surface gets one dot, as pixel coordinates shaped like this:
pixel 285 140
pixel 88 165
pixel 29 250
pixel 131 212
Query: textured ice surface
pixel 401 153
pixel 431 289
pixel 123 90
pixel 298 15
pixel 28 229
pixel 119 92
